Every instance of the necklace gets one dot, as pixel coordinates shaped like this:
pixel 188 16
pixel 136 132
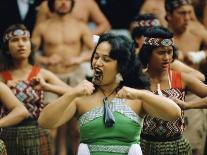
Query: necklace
pixel 108 117
pixel 169 82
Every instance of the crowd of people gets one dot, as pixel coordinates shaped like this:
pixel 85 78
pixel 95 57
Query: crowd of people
pixel 77 79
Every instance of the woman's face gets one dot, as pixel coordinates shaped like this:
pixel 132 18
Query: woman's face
pixel 161 58
pixel 20 47
pixel 105 68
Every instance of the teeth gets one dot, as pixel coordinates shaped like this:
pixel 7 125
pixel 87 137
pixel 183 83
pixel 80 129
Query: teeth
pixel 98 72
pixel 98 75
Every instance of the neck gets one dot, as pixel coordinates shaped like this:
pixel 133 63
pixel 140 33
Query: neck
pixel 154 74
pixel 21 64
pixel 108 90
pixel 61 17
pixel 176 31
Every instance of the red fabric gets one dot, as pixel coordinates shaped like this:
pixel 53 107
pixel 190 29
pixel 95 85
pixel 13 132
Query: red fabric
pixel 176 80
pixel 7 75
pixel 34 72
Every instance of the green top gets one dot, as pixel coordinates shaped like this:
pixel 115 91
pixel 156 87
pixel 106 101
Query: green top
pixel 115 140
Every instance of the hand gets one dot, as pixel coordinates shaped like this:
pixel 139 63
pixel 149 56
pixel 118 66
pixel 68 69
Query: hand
pixel 180 103
pixel 84 88
pixel 12 83
pixel 54 59
pixel 38 83
pixel 129 93
pixel 72 61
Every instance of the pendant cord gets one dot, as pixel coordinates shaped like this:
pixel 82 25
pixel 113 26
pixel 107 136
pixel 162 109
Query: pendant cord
pixel 106 96
pixel 108 117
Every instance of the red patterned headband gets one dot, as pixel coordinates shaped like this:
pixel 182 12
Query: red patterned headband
pixel 147 23
pixel 158 42
pixel 16 33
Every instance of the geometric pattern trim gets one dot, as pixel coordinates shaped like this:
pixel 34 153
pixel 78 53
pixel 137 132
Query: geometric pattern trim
pixel 109 148
pixel 159 128
pixel 116 105
pixel 146 23
pixel 158 42
pixel 30 97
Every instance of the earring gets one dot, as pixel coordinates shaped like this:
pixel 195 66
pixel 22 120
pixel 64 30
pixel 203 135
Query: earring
pixel 119 78
pixel 145 69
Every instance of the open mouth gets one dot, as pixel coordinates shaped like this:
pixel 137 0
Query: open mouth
pixel 98 76
pixel 165 65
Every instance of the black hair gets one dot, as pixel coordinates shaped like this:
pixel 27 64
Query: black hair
pixel 51 5
pixel 146 50
pixel 171 5
pixel 138 31
pixel 6 58
pixel 123 50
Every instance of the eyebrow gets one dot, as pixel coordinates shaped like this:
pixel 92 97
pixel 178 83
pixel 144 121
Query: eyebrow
pixel 103 54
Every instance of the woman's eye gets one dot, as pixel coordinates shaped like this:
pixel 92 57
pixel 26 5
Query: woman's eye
pixel 106 59
pixel 96 56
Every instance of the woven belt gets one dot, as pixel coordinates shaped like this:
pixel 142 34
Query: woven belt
pixel 161 139
pixel 109 148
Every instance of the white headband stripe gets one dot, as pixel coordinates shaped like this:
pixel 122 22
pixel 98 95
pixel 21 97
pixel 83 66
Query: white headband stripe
pixel 158 41
pixel 18 32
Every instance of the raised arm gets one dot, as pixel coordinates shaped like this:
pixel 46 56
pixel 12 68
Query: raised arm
pixel 194 85
pixel 51 83
pixel 63 109
pixel 155 105
pixel 195 104
pixel 17 111
pixel 181 67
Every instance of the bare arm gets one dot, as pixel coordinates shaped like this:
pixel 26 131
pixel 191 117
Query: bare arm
pixel 181 67
pixel 52 83
pixel 87 42
pixel 96 15
pixel 195 104
pixel 155 105
pixel 194 85
pixel 205 15
pixel 64 107
pixel 36 40
pixel 17 110
pixel 43 13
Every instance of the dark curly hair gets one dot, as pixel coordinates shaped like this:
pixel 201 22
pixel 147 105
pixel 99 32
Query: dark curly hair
pixel 146 50
pixel 123 50
pixel 5 57
pixel 51 5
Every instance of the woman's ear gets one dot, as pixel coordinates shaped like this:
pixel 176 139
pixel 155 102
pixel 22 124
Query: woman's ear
pixel 168 17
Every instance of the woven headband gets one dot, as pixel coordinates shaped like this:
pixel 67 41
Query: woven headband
pixel 176 3
pixel 16 33
pixel 158 42
pixel 147 23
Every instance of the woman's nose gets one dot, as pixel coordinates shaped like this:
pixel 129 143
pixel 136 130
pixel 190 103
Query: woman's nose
pixel 99 62
pixel 166 56
pixel 20 42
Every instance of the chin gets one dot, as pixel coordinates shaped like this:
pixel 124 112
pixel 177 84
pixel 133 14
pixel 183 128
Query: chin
pixel 62 13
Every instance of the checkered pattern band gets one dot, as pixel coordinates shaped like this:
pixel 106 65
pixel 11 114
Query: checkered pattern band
pixel 16 33
pixel 158 41
pixel 146 23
